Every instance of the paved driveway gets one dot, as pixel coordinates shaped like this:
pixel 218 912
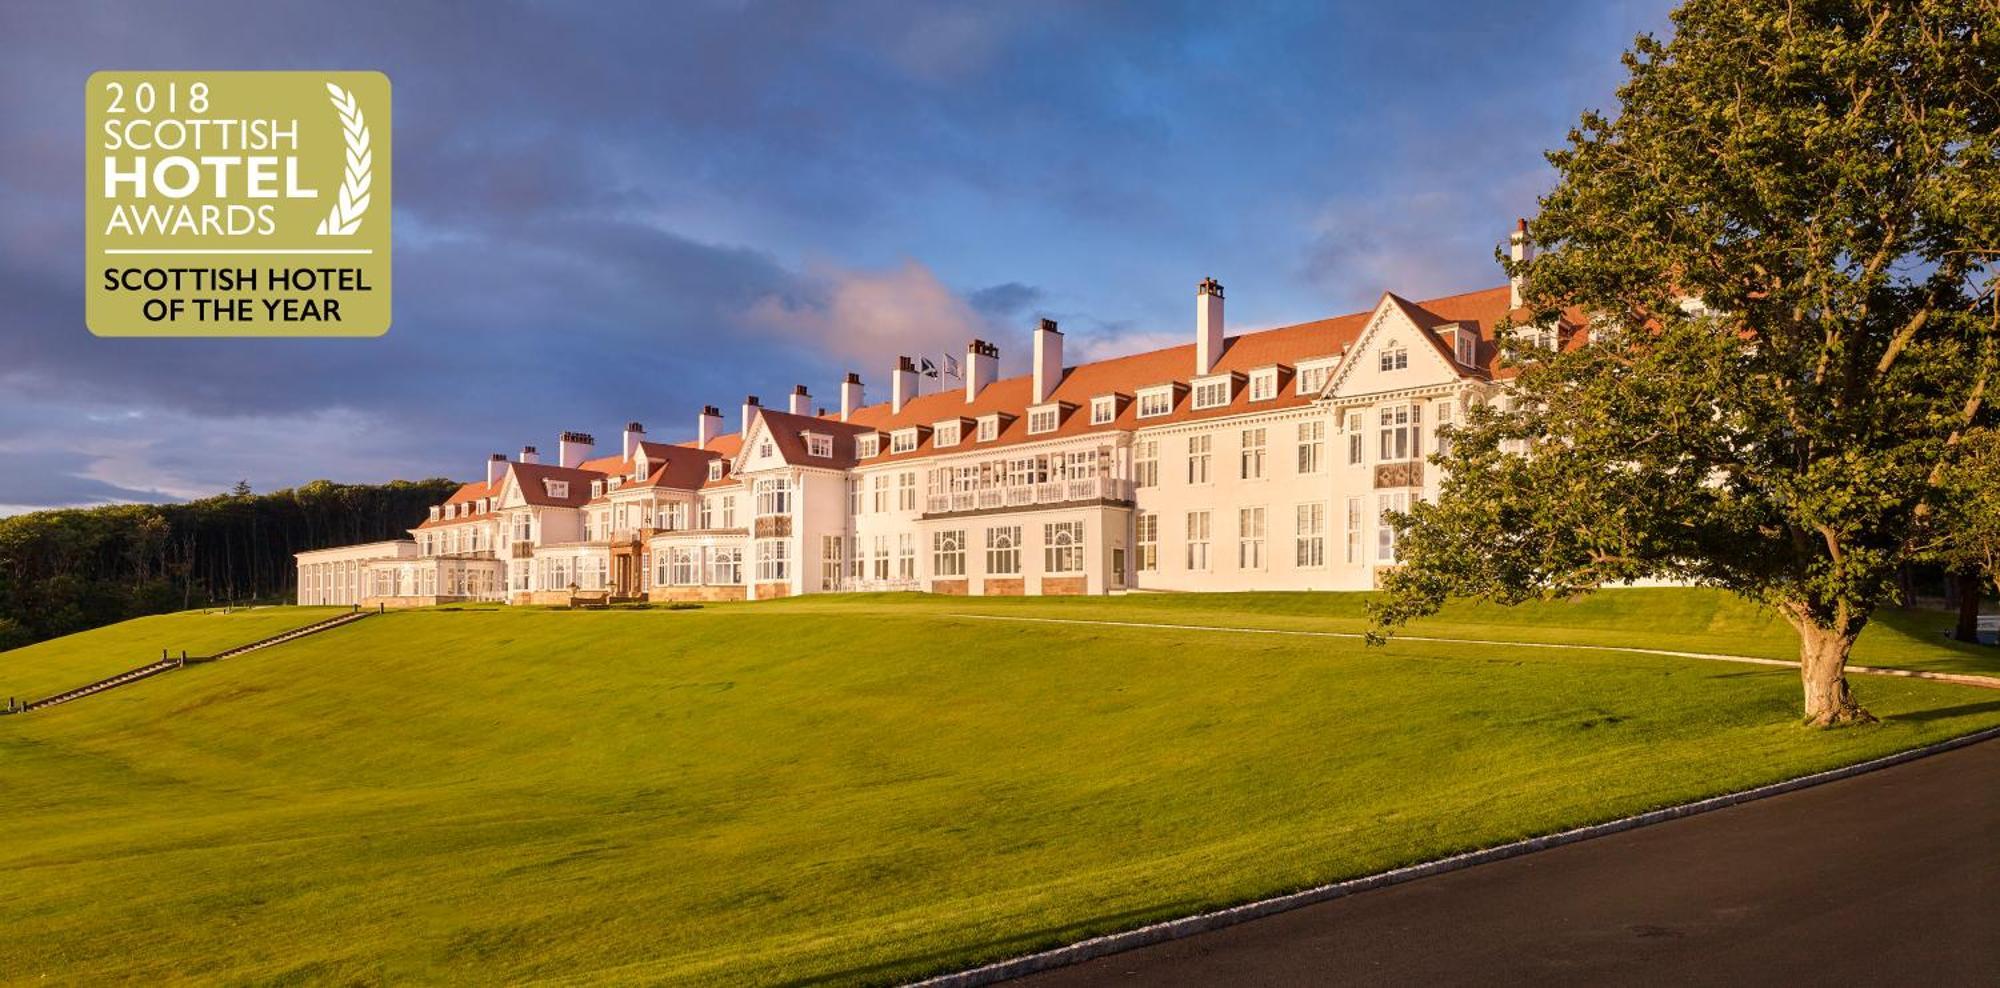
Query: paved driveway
pixel 1888 878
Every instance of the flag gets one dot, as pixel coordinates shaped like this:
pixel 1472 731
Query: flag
pixel 951 366
pixel 926 368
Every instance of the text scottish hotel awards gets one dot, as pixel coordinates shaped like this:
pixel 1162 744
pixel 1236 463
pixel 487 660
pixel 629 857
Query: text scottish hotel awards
pixel 237 204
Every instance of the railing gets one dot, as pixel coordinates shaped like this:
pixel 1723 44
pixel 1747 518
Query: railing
pixel 874 586
pixel 1061 491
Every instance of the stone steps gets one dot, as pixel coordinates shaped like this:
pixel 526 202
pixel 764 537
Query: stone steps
pixel 169 664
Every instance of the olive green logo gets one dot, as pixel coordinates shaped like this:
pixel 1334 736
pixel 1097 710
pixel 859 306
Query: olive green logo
pixel 237 204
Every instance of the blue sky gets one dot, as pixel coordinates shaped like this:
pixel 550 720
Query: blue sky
pixel 612 212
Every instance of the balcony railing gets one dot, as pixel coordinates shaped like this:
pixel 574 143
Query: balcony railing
pixel 1030 495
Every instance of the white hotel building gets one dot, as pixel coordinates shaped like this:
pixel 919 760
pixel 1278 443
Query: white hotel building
pixel 1263 461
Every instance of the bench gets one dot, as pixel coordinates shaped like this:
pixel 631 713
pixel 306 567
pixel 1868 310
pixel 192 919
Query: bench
pixel 589 598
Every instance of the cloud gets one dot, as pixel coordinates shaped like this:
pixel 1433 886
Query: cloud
pixel 1004 301
pixel 868 318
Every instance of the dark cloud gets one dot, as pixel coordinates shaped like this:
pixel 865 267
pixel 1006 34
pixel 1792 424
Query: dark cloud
pixel 53 479
pixel 1005 301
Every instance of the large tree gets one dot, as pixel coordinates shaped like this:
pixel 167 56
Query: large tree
pixel 1777 242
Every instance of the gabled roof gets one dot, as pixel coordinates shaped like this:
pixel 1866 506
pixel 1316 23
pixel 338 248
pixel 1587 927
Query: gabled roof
pixel 669 466
pixel 788 432
pixel 530 477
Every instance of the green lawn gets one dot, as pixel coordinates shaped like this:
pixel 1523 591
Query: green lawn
pixel 47 668
pixel 860 790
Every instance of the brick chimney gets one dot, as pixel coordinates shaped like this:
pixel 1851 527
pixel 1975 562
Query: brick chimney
pixel 800 403
pixel 572 448
pixel 850 395
pixel 750 410
pixel 634 434
pixel 1207 326
pixel 707 425
pixel 530 454
pixel 902 383
pixel 1048 359
pixel 982 367
pixel 496 467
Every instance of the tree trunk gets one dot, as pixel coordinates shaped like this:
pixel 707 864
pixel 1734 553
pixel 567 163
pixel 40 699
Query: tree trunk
pixel 1823 655
pixel 1968 607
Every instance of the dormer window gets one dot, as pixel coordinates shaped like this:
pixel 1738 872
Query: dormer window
pixel 819 445
pixel 715 469
pixel 556 488
pixel 1155 402
pixel 868 445
pixel 1044 419
pixel 903 441
pixel 1212 393
pixel 1395 356
pixel 1103 409
pixel 597 488
pixel 1264 384
pixel 1467 345
pixel 1312 377
pixel 946 433
pixel 989 428
pixel 435 510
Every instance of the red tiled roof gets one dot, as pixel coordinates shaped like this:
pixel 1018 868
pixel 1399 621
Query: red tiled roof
pixel 531 476
pixel 788 433
pixel 1285 345
pixel 466 493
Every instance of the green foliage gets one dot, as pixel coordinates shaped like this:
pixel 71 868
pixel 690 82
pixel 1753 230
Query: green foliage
pixel 67 570
pixel 1965 533
pixel 837 790
pixel 1821 176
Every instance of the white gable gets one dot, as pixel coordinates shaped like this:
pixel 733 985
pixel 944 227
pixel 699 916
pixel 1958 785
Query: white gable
pixel 1414 360
pixel 760 451
pixel 510 490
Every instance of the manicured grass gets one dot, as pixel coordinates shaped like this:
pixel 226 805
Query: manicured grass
pixel 1667 618
pixel 44 668
pixel 858 790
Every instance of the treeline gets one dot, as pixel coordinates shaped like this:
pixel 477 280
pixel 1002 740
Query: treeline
pixel 70 569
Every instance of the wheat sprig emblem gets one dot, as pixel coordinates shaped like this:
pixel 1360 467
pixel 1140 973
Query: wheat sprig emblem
pixel 345 217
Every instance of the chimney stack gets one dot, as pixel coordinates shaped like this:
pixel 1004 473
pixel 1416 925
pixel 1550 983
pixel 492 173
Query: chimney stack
pixel 1520 250
pixel 982 367
pixel 707 425
pixel 750 410
pixel 530 455
pixel 1048 360
pixel 902 384
pixel 800 403
pixel 496 467
pixel 572 448
pixel 850 395
pixel 1207 326
pixel 634 433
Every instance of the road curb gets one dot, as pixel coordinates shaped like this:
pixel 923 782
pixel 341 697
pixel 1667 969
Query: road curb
pixel 1174 929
